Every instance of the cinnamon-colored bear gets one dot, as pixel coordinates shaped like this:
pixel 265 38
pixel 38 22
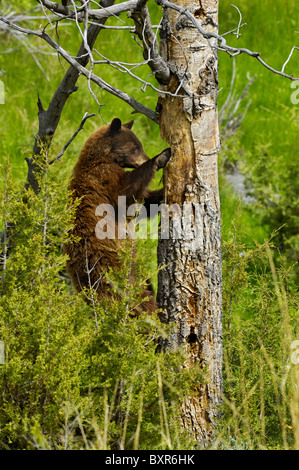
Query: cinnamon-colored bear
pixel 99 178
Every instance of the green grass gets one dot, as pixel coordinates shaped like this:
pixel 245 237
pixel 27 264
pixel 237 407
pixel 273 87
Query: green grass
pixel 271 118
pixel 271 30
pixel 260 301
pixel 23 80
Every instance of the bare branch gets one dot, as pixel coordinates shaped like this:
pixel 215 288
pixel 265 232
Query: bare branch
pixel 32 50
pixel 123 68
pixel 240 20
pixel 97 14
pixel 291 53
pixel 140 108
pixel 56 8
pixel 229 117
pixel 235 29
pixel 84 119
pixel 145 32
pixel 222 46
pixel 49 118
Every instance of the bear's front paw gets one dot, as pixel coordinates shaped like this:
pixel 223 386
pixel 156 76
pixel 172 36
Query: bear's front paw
pixel 163 158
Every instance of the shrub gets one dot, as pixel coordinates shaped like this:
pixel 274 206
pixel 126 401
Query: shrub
pixel 76 375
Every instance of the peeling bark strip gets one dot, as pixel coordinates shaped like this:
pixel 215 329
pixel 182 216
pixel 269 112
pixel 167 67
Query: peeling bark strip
pixel 190 286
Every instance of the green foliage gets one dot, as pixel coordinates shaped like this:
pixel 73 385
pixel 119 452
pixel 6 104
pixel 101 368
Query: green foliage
pixel 260 329
pixel 43 334
pixel 76 376
pixel 274 182
pixel 80 377
pixel 265 148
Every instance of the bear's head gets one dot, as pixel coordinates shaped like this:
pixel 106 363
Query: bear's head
pixel 126 150
pixel 113 143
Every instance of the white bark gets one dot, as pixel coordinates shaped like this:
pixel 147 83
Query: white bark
pixel 190 286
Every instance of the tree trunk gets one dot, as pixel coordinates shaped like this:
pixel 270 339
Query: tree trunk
pixel 190 286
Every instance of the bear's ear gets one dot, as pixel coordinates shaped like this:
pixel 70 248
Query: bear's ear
pixel 129 124
pixel 115 126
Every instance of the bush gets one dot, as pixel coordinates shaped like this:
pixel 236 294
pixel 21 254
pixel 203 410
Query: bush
pixel 76 375
pixel 261 379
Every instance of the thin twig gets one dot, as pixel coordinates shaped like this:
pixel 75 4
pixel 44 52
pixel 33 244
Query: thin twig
pixel 120 66
pixel 291 53
pixel 138 107
pixel 97 14
pixel 233 30
pixel 222 46
pixel 144 30
pixel 240 20
pixel 84 119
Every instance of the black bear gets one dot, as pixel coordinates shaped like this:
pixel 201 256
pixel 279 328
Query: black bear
pixel 99 178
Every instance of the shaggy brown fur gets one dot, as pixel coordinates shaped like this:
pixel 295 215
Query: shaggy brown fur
pixel 99 178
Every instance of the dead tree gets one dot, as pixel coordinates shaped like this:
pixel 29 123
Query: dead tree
pixel 191 283
pixel 185 68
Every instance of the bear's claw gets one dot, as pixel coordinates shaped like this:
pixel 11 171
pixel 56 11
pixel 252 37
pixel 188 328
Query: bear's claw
pixel 163 158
